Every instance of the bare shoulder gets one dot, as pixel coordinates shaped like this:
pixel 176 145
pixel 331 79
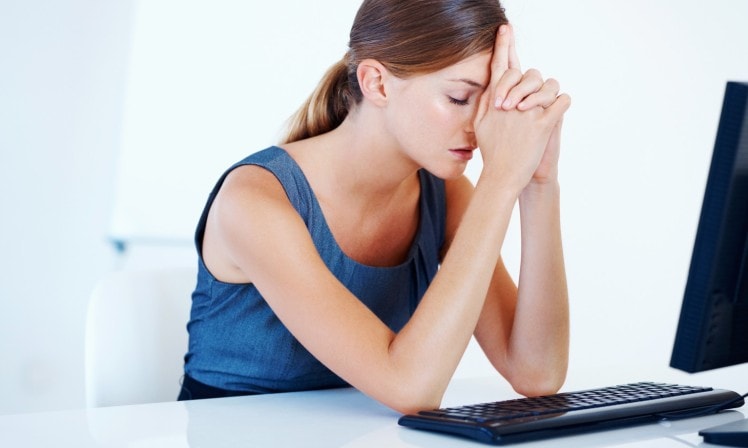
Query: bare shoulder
pixel 250 196
pixel 249 182
pixel 250 208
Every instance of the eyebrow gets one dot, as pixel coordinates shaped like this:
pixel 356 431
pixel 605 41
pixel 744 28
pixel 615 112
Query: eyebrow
pixel 470 82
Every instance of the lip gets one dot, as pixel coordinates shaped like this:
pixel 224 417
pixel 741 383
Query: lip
pixel 463 153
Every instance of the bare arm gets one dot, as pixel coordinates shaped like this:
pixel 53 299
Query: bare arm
pixel 525 331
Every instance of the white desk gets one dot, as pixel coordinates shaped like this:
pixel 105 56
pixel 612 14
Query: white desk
pixel 332 418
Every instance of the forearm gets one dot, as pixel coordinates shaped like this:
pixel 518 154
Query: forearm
pixel 434 340
pixel 539 343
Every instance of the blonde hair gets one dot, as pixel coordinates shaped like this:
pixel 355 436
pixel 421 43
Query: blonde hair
pixel 408 37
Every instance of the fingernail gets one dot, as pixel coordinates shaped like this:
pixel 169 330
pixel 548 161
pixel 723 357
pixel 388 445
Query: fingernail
pixel 497 103
pixel 502 29
pixel 508 103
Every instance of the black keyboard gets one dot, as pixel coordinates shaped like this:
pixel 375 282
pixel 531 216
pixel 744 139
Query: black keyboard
pixel 533 418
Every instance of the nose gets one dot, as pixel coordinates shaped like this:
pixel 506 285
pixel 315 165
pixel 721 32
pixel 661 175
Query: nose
pixel 470 116
pixel 469 129
pixel 470 124
pixel 472 141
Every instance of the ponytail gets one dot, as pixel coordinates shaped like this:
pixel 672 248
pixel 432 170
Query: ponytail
pixel 327 106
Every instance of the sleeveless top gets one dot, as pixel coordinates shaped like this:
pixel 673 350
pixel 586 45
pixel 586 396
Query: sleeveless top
pixel 237 343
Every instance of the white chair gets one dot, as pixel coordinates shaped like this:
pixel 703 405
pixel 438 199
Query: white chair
pixel 136 336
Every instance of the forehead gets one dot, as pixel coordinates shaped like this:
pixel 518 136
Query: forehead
pixel 474 69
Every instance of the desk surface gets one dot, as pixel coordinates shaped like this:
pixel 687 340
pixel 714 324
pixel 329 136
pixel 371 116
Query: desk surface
pixel 331 418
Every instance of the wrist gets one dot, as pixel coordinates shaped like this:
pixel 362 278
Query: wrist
pixel 506 182
pixel 542 187
pixel 540 190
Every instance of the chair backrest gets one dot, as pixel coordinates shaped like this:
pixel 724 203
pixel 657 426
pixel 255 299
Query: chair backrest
pixel 136 336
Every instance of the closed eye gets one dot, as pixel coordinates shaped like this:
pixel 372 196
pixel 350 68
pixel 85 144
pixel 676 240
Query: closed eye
pixel 458 102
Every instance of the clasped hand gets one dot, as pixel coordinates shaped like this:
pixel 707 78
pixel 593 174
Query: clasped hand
pixel 518 123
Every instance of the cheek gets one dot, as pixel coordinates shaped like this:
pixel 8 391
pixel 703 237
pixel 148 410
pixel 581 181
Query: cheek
pixel 422 120
pixel 444 115
pixel 433 119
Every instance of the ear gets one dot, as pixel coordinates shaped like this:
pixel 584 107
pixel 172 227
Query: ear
pixel 372 77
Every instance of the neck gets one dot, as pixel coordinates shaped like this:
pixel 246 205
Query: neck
pixel 358 159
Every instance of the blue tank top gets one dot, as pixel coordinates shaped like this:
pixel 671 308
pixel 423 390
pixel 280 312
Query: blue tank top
pixel 236 342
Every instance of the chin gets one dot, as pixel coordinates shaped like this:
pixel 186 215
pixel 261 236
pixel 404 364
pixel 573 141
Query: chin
pixel 447 173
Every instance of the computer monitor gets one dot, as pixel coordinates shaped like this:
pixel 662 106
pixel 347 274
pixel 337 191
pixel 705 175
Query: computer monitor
pixel 713 326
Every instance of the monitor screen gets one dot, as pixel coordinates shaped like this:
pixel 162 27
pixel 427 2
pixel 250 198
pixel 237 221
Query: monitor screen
pixel 713 326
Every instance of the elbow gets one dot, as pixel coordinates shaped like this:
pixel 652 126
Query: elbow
pixel 410 399
pixel 537 388
pixel 413 408
pixel 536 376
pixel 411 404
pixel 537 383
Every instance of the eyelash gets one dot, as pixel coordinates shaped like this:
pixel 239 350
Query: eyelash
pixel 458 102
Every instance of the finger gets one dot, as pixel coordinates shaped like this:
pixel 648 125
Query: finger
pixel 504 58
pixel 500 58
pixel 508 81
pixel 528 84
pixel 555 111
pixel 544 97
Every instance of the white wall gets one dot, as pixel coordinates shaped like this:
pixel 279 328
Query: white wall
pixel 62 66
pixel 217 85
pixel 75 79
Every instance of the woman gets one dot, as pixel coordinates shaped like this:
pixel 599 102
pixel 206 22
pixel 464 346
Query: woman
pixel 357 253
